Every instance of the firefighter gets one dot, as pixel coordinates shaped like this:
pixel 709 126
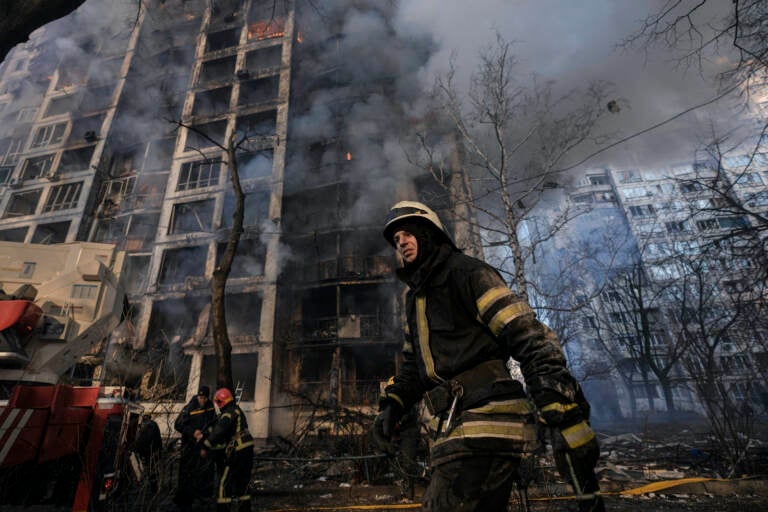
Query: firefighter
pixel 463 324
pixel 230 438
pixel 195 472
pixel 148 446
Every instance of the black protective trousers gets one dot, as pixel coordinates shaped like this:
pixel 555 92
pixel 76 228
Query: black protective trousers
pixel 482 484
pixel 233 484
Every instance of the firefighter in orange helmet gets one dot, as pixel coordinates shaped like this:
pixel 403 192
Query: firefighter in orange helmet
pixel 230 438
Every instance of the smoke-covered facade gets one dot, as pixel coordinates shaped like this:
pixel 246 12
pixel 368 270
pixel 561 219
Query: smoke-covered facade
pixel 113 128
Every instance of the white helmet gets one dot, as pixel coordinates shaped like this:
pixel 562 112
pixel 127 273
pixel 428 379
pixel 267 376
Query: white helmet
pixel 410 210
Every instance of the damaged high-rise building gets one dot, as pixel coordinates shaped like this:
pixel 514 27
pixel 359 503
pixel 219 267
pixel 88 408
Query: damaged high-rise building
pixel 113 127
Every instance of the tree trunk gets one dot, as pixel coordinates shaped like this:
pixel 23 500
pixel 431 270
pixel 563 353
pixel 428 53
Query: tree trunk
pixel 221 342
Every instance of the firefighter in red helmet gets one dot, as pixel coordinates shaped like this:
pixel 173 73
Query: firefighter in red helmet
pixel 230 438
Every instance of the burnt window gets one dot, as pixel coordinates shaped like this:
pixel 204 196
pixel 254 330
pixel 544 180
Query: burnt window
pixel 141 231
pixel 137 269
pixel 160 154
pixel 263 90
pixel 14 235
pixel 5 173
pixel 96 98
pixel 226 11
pixel 149 191
pixel 63 197
pixel 243 313
pixel 204 173
pixel 59 106
pixel 222 40
pixel 10 149
pixel 106 70
pixel 121 162
pixel 49 135
pixel 178 264
pixel 115 190
pixel 206 135
pixel 216 71
pixel 23 203
pixel 256 209
pixel 53 233
pixel 26 114
pixel 37 167
pixel 255 165
pixel 74 160
pixel 266 58
pixel 72 72
pixel 243 373
pixel 266 19
pixel 263 124
pixel 249 258
pixel 212 102
pixel 110 230
pixel 86 129
pixel 191 217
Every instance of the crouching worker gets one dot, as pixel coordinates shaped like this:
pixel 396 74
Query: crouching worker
pixel 234 444
pixel 463 323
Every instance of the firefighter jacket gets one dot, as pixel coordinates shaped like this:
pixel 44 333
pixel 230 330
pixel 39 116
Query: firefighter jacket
pixel 463 323
pixel 230 433
pixel 194 417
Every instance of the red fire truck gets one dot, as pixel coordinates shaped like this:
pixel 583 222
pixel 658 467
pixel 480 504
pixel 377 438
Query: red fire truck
pixel 59 442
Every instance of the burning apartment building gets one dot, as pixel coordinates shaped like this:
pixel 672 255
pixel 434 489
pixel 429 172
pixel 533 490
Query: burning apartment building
pixel 115 124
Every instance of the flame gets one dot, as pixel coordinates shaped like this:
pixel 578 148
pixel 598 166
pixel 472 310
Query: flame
pixel 266 29
pixel 299 38
pixel 349 156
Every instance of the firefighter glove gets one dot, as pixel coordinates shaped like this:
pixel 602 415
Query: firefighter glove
pixel 390 413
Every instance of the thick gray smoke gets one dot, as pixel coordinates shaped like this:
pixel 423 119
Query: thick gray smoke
pixel 574 43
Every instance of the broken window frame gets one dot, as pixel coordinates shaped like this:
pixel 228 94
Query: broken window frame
pixel 177 258
pixel 199 174
pixel 219 41
pixel 216 71
pixel 37 167
pixel 49 135
pixel 12 152
pixel 14 234
pixel 19 196
pixel 62 104
pixel 46 234
pixel 6 171
pixel 263 94
pixel 69 163
pixel 244 159
pixel 183 212
pixel 212 102
pixel 63 197
pixel 26 114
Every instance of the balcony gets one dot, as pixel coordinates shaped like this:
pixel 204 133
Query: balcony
pixel 349 267
pixel 346 327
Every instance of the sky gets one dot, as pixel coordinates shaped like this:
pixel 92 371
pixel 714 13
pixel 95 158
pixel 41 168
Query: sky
pixel 574 43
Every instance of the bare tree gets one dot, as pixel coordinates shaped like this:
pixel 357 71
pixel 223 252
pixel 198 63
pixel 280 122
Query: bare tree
pixel 513 138
pixel 727 193
pixel 633 313
pixel 699 28
pixel 221 342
